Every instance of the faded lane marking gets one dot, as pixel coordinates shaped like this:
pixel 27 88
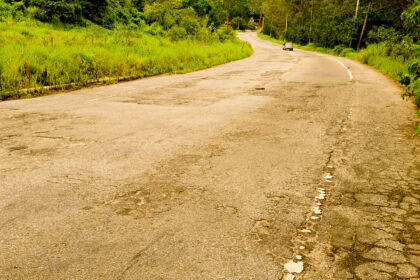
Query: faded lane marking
pixel 94 99
pixel 345 67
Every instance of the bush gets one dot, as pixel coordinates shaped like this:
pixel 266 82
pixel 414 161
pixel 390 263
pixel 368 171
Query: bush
pixel 383 34
pixel 155 29
pixel 414 67
pixel 190 24
pixel 58 11
pixel 205 35
pixel 338 49
pixel 225 33
pixel 251 27
pixel 346 51
pixel 236 23
pixel 11 9
pixel 271 30
pixel 177 33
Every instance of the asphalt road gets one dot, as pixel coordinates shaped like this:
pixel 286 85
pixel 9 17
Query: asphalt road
pixel 281 165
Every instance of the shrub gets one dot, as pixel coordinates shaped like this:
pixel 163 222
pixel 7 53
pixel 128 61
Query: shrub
pixel 225 33
pixel 58 11
pixel 155 29
pixel 338 49
pixel 269 29
pixel 236 23
pixel 177 33
pixel 251 26
pixel 383 34
pixel 346 51
pixel 205 35
pixel 190 24
pixel 414 67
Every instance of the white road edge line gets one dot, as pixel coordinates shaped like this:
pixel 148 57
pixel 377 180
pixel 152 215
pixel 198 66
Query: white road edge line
pixel 94 99
pixel 345 67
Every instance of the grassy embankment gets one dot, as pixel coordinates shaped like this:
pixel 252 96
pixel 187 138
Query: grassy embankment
pixel 374 55
pixel 35 55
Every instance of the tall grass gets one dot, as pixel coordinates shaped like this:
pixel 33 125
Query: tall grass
pixel 34 55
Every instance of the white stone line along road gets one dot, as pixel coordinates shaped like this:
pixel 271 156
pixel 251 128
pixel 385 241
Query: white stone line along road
pixel 202 176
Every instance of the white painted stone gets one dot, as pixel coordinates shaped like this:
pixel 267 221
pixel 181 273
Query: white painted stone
pixel 289 277
pixel 294 267
pixel 328 176
pixel 317 210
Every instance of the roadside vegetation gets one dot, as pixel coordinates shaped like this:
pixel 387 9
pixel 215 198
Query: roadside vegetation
pixel 384 34
pixel 67 44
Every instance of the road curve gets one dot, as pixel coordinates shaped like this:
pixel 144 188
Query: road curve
pixel 225 173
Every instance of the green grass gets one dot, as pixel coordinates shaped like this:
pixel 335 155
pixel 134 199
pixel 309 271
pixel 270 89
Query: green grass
pixel 34 55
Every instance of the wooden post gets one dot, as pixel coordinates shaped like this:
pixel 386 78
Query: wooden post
pixel 364 26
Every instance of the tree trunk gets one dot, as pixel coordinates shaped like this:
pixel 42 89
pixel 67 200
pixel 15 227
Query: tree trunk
pixel 364 26
pixel 310 26
pixel 286 23
pixel 357 8
pixel 302 10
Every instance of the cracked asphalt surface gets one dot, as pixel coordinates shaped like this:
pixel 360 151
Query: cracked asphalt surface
pixel 213 175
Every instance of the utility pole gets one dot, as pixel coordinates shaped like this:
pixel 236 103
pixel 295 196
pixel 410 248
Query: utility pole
pixel 286 22
pixel 364 26
pixel 357 8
